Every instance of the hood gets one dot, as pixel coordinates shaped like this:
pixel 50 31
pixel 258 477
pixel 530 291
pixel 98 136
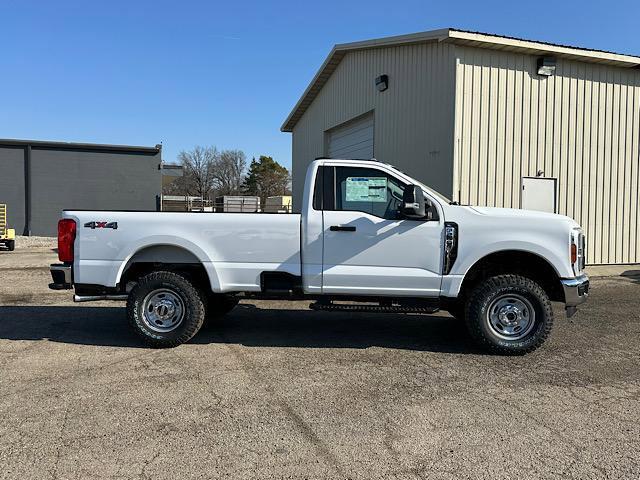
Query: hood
pixel 522 214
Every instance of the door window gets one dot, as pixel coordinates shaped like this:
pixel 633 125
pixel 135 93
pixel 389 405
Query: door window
pixel 368 190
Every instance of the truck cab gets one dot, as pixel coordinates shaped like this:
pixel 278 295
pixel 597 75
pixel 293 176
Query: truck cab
pixel 358 238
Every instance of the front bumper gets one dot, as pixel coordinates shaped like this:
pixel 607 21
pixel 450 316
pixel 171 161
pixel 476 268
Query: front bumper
pixel 576 291
pixel 61 276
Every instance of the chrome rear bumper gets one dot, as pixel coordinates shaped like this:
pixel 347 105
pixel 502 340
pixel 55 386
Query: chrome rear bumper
pixel 61 276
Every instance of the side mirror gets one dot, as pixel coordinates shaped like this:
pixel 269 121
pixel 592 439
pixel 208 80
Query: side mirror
pixel 413 203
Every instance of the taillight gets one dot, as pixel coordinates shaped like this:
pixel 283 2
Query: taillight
pixel 66 237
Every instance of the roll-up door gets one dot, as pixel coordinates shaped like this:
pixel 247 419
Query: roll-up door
pixel 353 139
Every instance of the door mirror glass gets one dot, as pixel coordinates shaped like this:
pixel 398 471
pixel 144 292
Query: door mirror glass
pixel 413 203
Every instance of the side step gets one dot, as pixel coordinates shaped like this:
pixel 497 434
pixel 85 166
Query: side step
pixel 368 308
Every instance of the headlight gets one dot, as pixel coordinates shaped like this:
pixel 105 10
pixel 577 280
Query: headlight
pixel 577 251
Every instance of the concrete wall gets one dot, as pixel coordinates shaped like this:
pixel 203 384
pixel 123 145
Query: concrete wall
pixel 75 178
pixel 580 126
pixel 413 119
pixel 12 185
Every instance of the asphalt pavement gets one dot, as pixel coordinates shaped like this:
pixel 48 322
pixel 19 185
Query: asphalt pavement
pixel 279 391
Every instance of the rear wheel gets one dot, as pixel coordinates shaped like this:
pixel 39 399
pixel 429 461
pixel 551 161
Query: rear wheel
pixel 11 245
pixel 165 309
pixel 509 314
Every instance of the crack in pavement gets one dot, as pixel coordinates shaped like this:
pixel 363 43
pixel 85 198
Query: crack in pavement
pixel 307 431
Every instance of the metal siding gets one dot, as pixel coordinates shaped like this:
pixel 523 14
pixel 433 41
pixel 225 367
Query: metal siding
pixel 580 126
pixel 414 117
pixel 633 110
pixel 12 186
pixel 90 180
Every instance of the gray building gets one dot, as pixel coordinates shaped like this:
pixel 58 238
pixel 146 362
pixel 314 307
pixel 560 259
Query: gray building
pixel 40 179
pixel 488 120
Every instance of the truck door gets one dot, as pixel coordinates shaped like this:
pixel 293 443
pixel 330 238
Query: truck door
pixel 369 248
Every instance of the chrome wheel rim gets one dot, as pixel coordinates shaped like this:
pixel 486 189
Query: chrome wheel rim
pixel 511 317
pixel 162 310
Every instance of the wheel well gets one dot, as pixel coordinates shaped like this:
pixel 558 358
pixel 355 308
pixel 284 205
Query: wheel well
pixel 166 258
pixel 517 262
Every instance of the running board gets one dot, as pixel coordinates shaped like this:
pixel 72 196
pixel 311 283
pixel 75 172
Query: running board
pixel 354 307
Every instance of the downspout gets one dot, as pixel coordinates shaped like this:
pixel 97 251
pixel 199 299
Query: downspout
pixel 27 191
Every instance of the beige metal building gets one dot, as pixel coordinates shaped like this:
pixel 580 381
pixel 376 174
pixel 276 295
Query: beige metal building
pixel 479 117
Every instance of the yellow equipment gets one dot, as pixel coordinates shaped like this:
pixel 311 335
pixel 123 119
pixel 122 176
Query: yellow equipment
pixel 7 235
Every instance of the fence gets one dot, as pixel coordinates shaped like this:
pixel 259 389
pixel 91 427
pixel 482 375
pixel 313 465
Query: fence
pixel 227 204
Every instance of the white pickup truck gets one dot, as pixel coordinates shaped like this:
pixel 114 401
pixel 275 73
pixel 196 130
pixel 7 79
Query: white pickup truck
pixel 369 238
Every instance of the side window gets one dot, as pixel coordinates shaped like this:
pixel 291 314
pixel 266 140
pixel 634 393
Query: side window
pixel 368 190
pixel 317 190
pixel 323 198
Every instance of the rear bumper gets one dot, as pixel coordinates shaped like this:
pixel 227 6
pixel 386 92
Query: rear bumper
pixel 62 276
pixel 576 292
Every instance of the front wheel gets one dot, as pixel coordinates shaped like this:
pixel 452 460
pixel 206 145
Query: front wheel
pixel 509 315
pixel 165 309
pixel 11 245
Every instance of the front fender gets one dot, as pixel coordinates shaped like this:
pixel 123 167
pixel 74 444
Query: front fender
pixel 552 256
pixel 452 283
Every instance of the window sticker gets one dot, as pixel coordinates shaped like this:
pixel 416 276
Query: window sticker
pixel 366 189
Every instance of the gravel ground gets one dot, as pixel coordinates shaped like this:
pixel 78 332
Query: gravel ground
pixel 26 243
pixel 278 391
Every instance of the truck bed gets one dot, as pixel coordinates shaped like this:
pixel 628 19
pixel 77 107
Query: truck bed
pixel 235 248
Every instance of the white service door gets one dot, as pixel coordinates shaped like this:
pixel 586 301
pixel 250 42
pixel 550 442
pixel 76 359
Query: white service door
pixel 367 254
pixel 539 193
pixel 353 139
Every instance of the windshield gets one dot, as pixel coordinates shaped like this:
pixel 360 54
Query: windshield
pixel 430 190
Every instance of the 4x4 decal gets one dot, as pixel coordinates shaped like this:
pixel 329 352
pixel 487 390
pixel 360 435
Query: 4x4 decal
pixel 94 225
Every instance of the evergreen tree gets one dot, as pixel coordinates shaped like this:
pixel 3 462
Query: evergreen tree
pixel 266 178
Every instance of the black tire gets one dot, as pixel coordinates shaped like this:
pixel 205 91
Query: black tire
pixel 503 301
pixel 180 294
pixel 219 305
pixel 11 245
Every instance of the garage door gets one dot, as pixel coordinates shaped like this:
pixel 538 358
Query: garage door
pixel 353 139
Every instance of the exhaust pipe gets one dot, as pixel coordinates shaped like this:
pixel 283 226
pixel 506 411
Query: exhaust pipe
pixel 95 298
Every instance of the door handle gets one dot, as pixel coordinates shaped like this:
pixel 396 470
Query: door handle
pixel 342 228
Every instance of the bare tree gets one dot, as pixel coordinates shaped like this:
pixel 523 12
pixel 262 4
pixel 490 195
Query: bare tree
pixel 199 165
pixel 179 186
pixel 228 172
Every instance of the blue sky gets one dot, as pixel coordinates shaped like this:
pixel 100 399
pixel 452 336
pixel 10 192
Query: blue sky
pixel 188 73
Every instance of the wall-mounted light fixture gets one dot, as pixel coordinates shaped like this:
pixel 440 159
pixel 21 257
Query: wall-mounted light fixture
pixel 546 66
pixel 382 83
